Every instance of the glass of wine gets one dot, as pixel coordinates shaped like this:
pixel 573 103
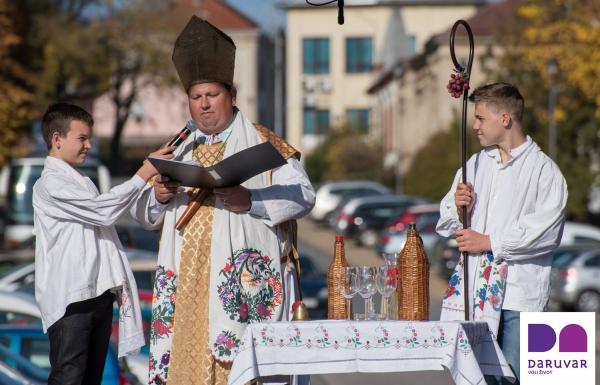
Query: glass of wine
pixel 367 288
pixel 350 286
pixel 387 281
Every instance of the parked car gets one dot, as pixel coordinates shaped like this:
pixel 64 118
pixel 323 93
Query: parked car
pixel 18 308
pixel 18 370
pixel 579 233
pixel 573 234
pixel 16 192
pixel 332 217
pixel 575 278
pixel 393 237
pixel 17 277
pixel 31 343
pixel 329 195
pixel 363 218
pixel 134 236
pixel 143 265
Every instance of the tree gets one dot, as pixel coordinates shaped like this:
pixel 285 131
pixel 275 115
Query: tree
pixel 345 155
pixel 434 166
pixel 15 109
pixel 116 49
pixel 569 33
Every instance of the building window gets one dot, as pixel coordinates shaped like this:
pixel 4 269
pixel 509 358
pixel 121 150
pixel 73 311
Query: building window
pixel 316 56
pixel 359 54
pixel 358 119
pixel 412 44
pixel 316 121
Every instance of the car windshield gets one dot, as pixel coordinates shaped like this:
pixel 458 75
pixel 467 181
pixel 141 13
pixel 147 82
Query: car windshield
pixel 20 193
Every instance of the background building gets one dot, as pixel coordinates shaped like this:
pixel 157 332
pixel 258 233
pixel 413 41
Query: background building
pixel 330 67
pixel 410 102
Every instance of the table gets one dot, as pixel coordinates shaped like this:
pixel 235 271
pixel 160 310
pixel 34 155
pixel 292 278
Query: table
pixel 466 349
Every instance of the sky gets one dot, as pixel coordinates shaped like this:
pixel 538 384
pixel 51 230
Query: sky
pixel 264 12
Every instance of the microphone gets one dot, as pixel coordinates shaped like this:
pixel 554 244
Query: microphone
pixel 340 12
pixel 183 134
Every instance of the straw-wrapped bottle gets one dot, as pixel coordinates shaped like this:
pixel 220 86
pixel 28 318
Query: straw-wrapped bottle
pixel 413 272
pixel 336 303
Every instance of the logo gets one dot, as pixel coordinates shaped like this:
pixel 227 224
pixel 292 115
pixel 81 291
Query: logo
pixel 559 348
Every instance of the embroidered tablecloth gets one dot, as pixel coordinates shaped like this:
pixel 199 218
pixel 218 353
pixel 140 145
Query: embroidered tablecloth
pixel 467 349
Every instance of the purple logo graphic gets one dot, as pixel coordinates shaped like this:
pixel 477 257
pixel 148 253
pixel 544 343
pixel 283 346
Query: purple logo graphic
pixel 541 338
pixel 573 338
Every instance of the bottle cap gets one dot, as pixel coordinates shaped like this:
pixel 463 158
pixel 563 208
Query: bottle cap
pixel 339 238
pixel 412 226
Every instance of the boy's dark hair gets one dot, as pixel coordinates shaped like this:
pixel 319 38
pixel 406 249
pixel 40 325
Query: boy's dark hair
pixel 58 117
pixel 501 96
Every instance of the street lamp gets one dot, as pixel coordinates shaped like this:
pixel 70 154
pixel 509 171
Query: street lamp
pixel 553 69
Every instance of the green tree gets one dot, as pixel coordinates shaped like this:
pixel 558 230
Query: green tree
pixel 434 166
pixel 117 49
pixel 569 33
pixel 15 98
pixel 345 155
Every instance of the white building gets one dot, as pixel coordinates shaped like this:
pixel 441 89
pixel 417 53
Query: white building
pixel 330 67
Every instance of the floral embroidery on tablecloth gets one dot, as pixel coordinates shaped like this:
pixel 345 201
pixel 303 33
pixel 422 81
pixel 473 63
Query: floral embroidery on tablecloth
pixel 322 338
pixel 411 338
pixel 357 337
pixel 250 288
pixel 163 304
pixel 438 338
pixel 353 339
pixel 383 338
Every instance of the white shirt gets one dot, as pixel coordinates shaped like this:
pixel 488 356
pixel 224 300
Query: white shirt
pixel 521 206
pixel 78 255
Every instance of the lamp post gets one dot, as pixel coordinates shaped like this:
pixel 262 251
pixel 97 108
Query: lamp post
pixel 553 69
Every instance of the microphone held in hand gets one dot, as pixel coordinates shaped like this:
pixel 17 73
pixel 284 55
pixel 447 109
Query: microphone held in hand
pixel 183 134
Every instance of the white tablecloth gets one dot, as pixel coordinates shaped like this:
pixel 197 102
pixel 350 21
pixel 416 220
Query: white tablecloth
pixel 467 349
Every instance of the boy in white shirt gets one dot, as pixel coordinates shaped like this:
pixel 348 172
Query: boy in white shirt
pixel 515 198
pixel 79 262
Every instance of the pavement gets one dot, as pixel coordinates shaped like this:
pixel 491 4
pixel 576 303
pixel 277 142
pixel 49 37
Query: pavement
pixel 320 240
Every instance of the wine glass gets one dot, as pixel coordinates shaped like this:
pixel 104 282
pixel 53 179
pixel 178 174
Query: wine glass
pixel 387 281
pixel 350 286
pixel 391 259
pixel 367 288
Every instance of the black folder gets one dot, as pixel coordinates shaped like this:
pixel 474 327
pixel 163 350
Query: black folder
pixel 229 172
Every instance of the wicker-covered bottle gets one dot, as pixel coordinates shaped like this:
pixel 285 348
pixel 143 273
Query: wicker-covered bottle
pixel 336 303
pixel 413 273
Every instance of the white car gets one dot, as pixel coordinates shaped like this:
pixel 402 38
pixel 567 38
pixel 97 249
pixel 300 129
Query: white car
pixel 330 194
pixel 579 233
pixel 16 190
pixel 18 308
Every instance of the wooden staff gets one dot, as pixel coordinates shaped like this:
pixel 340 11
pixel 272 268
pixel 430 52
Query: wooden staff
pixel 195 203
pixel 463 136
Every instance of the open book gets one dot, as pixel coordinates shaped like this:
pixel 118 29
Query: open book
pixel 229 172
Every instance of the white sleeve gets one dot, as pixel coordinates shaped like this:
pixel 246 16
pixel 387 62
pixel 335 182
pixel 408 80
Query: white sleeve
pixel 537 233
pixel 449 221
pixel 61 198
pixel 147 211
pixel 290 196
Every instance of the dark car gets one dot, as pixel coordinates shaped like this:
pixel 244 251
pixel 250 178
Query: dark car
pixel 362 218
pixel 313 283
pixel 31 343
pixel 18 370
